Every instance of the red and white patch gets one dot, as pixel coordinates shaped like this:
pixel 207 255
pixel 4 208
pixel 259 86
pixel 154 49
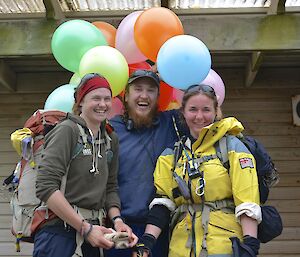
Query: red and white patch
pixel 246 163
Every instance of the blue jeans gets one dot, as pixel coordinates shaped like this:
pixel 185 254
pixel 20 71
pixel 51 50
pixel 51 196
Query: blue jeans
pixel 161 248
pixel 56 241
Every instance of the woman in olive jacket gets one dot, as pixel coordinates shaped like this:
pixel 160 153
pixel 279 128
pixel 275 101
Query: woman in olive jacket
pixel 90 177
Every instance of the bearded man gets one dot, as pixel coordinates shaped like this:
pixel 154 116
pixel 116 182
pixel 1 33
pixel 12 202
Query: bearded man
pixel 143 134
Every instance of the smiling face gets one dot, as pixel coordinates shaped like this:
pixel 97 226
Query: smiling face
pixel 96 105
pixel 141 100
pixel 199 111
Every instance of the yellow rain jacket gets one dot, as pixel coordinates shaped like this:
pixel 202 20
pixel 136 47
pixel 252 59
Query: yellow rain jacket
pixel 239 186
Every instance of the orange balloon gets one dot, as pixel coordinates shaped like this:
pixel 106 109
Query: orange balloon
pixel 153 28
pixel 108 30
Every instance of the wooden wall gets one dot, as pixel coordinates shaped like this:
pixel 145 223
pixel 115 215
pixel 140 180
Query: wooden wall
pixel 265 110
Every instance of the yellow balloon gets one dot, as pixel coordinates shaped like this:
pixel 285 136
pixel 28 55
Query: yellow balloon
pixel 108 62
pixel 173 105
pixel 75 79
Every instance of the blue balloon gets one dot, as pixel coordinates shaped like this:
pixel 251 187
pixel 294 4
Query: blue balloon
pixel 62 98
pixel 183 61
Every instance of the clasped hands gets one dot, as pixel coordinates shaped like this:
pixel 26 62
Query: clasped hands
pixel 100 236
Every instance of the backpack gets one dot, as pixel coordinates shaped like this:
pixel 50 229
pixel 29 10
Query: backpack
pixel 29 213
pixel 28 143
pixel 271 225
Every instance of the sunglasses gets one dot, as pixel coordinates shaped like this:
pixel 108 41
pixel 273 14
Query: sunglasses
pixel 144 73
pixel 202 87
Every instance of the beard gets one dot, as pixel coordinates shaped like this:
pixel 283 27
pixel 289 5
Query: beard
pixel 140 121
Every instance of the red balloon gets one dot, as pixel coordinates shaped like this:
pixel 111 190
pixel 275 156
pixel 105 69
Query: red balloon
pixel 165 96
pixel 138 66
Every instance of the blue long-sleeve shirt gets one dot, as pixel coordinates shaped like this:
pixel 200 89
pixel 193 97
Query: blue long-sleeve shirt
pixel 139 150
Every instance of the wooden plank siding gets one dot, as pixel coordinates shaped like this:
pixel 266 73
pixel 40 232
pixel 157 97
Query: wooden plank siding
pixel 265 110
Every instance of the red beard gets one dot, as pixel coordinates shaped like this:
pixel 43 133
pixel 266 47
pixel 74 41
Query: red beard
pixel 140 121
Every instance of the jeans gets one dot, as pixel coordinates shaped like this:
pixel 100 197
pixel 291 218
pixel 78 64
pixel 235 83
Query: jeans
pixel 58 241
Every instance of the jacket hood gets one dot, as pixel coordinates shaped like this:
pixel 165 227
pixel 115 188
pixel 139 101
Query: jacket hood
pixel 211 134
pixel 76 119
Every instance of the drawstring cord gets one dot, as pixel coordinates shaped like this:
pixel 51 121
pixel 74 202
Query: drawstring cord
pixel 96 152
pixel 93 169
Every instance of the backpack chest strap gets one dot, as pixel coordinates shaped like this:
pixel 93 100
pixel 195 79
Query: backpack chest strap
pixel 206 158
pixel 226 205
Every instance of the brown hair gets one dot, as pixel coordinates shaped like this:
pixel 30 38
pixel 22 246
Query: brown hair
pixel 76 109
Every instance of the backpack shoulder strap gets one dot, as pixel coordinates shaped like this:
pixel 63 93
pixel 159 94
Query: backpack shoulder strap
pixel 222 151
pixel 75 153
pixel 82 134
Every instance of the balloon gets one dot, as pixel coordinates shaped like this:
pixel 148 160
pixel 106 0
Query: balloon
pixel 173 105
pixel 214 80
pixel 117 108
pixel 108 30
pixel 72 39
pixel 153 28
pixel 183 61
pixel 108 62
pixel 62 99
pixel 165 96
pixel 75 79
pixel 177 95
pixel 125 42
pixel 138 66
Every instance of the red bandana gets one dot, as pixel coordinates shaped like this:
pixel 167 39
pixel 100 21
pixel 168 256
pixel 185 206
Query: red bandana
pixel 91 84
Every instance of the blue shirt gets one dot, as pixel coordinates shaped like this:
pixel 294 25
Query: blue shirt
pixel 139 150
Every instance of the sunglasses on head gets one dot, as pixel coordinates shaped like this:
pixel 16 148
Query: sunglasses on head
pixel 145 73
pixel 202 87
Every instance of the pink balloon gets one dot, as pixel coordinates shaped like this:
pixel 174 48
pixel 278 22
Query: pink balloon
pixel 214 80
pixel 177 95
pixel 117 108
pixel 125 42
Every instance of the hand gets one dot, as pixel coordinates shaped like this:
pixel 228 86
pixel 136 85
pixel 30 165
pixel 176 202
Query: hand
pixel 96 236
pixel 144 246
pixel 120 226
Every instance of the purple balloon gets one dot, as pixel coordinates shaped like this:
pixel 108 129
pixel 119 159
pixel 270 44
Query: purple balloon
pixel 214 80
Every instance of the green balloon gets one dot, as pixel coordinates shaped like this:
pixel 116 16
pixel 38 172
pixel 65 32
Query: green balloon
pixel 72 39
pixel 62 99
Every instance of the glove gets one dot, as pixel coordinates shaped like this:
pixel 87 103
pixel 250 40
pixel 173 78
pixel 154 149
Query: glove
pixel 145 244
pixel 249 248
pixel 253 243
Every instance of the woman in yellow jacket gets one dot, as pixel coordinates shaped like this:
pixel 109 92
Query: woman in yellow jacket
pixel 209 204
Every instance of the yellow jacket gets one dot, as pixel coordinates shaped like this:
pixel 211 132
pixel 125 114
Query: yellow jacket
pixel 239 184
